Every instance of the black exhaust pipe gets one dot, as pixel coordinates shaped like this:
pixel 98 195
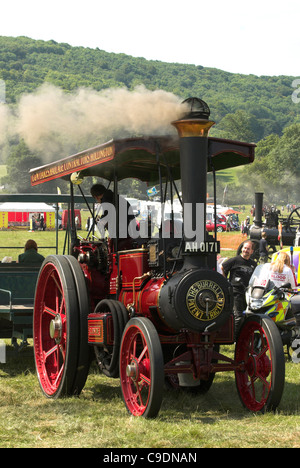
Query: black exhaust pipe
pixel 258 209
pixel 193 129
pixel 196 297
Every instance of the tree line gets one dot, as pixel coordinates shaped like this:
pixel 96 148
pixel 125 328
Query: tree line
pixel 245 107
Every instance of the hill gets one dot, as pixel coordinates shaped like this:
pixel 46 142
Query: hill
pixel 251 107
pixel 59 101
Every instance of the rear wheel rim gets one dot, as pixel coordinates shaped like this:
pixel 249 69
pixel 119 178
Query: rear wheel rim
pixel 55 332
pixel 84 350
pixel 257 382
pixel 141 368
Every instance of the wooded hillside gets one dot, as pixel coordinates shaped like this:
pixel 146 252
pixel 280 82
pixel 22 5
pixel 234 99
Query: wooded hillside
pixel 26 63
pixel 244 107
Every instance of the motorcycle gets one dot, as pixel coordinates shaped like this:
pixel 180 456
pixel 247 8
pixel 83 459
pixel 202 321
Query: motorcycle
pixel 281 304
pixel 234 226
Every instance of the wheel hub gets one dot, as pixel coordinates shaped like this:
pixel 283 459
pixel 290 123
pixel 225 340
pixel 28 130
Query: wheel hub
pixel 55 329
pixel 132 371
pixel 264 366
pixel 258 366
pixel 251 366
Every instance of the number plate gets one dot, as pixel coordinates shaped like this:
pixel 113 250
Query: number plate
pixel 206 247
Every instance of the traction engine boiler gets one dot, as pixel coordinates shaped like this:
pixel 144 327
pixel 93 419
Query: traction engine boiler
pixel 152 306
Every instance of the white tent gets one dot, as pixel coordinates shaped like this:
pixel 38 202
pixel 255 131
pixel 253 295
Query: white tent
pixel 21 213
pixel 26 207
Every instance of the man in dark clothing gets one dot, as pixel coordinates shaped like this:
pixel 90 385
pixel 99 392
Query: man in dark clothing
pixel 128 227
pixel 240 269
pixel 263 248
pixel 31 254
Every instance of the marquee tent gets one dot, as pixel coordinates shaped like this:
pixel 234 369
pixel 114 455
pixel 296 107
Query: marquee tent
pixel 19 214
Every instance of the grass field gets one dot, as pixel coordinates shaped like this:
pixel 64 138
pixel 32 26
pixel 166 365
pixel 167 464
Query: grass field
pixel 98 417
pixel 12 242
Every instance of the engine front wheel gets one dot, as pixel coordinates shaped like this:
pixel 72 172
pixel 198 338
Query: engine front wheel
pixel 260 383
pixel 141 368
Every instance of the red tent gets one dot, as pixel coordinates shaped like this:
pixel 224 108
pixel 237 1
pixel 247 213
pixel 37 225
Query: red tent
pixel 230 211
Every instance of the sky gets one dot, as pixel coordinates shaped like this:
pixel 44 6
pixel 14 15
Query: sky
pixel 259 37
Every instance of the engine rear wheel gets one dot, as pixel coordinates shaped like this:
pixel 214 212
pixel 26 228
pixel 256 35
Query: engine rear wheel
pixel 259 347
pixel 141 368
pixel 56 328
pixel 84 350
pixel 293 220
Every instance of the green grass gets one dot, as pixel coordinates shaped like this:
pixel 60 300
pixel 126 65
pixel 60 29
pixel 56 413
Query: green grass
pixel 14 242
pixel 44 240
pixel 18 238
pixel 230 175
pixel 98 417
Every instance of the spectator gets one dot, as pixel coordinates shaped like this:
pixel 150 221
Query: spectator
pixel 31 254
pixel 42 223
pixel 279 272
pixel 88 223
pixel 245 226
pixel 6 259
pixel 263 248
pixel 240 269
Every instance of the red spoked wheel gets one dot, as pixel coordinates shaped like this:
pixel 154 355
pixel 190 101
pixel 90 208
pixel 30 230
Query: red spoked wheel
pixel 259 348
pixel 84 350
pixel 141 368
pixel 56 328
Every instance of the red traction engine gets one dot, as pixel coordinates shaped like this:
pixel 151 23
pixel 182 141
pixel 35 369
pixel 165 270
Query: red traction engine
pixel 152 307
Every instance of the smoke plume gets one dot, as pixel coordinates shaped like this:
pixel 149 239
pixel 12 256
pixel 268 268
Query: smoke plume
pixel 4 120
pixel 55 123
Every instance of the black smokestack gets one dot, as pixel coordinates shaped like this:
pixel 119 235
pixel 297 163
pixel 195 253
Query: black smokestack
pixel 258 209
pixel 193 130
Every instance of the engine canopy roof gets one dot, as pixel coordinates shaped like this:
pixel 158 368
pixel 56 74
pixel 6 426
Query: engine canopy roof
pixel 137 158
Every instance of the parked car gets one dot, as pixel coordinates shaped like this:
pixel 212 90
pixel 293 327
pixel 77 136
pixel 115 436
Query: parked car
pixel 221 224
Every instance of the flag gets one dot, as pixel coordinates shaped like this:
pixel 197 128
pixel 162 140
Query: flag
pixel 151 192
pixel 59 193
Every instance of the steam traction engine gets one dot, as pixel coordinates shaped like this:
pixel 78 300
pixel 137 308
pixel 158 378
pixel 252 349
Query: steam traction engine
pixel 280 231
pixel 152 307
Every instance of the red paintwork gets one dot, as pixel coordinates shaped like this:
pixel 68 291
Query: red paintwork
pixel 50 357
pixel 97 284
pixel 100 329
